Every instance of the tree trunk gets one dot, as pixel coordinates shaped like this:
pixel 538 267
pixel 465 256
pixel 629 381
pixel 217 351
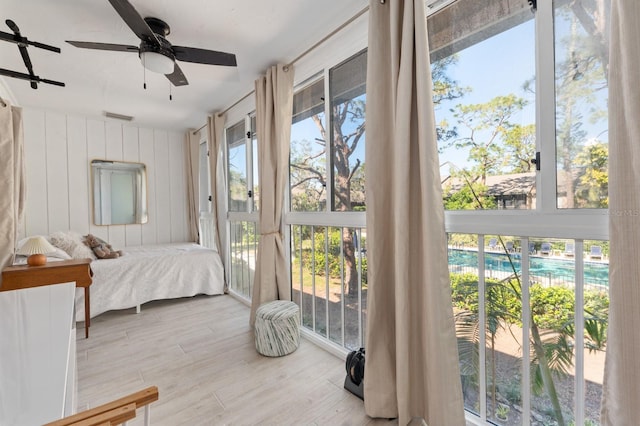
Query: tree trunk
pixel 351 281
pixel 545 370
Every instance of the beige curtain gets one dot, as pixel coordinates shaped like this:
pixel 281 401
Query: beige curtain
pixel 12 176
pixel 192 151
pixel 412 361
pixel 274 106
pixel 621 393
pixel 215 126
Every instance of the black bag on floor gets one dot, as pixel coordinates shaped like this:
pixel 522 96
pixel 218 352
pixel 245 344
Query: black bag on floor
pixel 354 382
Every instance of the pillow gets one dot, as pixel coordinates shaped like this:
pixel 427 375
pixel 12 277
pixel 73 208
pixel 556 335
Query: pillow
pixel 71 242
pixel 59 254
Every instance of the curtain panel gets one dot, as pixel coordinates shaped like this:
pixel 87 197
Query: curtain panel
pixel 215 127
pixel 274 108
pixel 13 175
pixel 192 151
pixel 621 388
pixel 412 362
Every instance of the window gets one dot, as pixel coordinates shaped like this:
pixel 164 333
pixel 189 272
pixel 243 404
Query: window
pixel 242 221
pixel 237 168
pixel 204 181
pixel 581 59
pixel 347 85
pixel 529 288
pixel 484 101
pixel 254 162
pixel 307 160
pixel 326 175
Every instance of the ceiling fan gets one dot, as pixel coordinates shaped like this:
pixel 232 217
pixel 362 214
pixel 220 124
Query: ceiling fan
pixel 155 51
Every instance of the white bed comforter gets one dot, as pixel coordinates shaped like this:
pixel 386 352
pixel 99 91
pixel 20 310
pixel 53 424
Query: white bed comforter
pixel 154 272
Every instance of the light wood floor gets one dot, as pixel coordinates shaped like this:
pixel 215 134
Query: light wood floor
pixel 200 353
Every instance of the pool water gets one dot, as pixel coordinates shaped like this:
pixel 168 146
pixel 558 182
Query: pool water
pixel 595 273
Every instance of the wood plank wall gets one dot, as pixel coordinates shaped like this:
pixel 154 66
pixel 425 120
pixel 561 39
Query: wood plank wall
pixel 58 149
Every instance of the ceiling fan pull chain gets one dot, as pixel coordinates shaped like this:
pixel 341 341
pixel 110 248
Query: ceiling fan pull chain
pixel 170 96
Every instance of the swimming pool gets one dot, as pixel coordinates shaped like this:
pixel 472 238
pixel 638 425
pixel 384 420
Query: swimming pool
pixel 556 270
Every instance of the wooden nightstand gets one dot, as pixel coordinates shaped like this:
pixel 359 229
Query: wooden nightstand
pixel 64 271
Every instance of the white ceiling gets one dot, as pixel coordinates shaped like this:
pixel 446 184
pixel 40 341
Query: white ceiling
pixel 261 33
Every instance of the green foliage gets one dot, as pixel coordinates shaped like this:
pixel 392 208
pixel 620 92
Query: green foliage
pixel 552 307
pixel 520 148
pixel 464 198
pixel 593 187
pixel 317 258
pixel 490 130
pixel 237 186
pixel 243 233
pixel 502 411
pixel 596 301
pixel 511 391
pixel 464 291
pixel 495 145
pixel 463 240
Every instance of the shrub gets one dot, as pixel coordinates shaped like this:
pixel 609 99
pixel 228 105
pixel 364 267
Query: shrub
pixel 552 307
pixel 318 258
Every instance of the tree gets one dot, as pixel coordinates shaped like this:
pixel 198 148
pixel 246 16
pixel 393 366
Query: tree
pixel 520 148
pixel 593 188
pixel 445 89
pixel 488 127
pixel 552 349
pixel 237 189
pixel 471 196
pixel 308 173
pixel 551 325
pixel 348 130
pixel 580 75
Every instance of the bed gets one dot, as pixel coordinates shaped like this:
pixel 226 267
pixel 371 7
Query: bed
pixel 154 272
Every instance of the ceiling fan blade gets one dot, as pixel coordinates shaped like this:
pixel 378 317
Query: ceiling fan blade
pixel 203 56
pixel 133 19
pixel 177 78
pixel 104 46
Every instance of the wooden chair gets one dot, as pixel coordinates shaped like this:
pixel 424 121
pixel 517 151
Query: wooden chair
pixel 113 413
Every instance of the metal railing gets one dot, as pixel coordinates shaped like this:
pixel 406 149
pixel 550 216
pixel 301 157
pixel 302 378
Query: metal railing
pixel 243 248
pixel 329 281
pixel 207 231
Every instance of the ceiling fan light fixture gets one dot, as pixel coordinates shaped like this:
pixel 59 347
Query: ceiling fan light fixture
pixel 157 62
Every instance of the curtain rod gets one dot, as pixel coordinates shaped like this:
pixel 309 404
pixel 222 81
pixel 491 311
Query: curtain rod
pixel 234 104
pixel 297 58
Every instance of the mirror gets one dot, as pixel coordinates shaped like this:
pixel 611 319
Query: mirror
pixel 119 192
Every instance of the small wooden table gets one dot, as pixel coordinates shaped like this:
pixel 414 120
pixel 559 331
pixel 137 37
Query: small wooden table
pixel 64 271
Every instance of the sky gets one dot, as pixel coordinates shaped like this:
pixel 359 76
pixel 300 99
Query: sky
pixel 497 66
pixel 479 67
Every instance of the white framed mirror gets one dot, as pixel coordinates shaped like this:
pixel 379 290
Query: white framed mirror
pixel 119 192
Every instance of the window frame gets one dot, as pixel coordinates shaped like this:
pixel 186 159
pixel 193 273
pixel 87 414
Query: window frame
pixel 204 141
pixel 250 157
pixel 546 219
pixel 327 217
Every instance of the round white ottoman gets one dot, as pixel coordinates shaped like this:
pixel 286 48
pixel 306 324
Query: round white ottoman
pixel 277 328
